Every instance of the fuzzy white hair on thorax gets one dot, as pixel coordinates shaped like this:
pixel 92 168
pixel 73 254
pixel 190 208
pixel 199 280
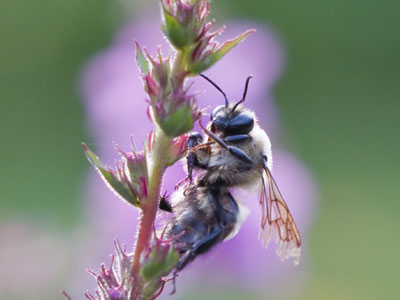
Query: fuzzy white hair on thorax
pixel 261 138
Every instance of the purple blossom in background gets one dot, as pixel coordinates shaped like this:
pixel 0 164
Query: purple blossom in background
pixel 116 110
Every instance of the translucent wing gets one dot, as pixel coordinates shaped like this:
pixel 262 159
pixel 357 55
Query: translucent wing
pixel 277 222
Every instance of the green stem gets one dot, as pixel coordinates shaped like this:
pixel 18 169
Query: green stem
pixel 156 172
pixel 178 69
pixel 150 206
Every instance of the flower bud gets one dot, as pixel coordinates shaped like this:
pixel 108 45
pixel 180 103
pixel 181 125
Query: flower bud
pixel 155 73
pixel 207 52
pixel 159 263
pixel 178 122
pixel 129 180
pixel 115 282
pixel 183 20
pixel 185 26
pixel 159 260
pixel 177 149
pixel 135 169
pixel 172 108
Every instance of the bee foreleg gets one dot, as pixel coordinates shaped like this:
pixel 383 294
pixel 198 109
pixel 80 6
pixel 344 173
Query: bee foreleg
pixel 239 153
pixel 195 139
pixel 237 139
pixel 192 161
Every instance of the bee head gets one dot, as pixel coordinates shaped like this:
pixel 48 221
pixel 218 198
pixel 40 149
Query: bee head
pixel 231 119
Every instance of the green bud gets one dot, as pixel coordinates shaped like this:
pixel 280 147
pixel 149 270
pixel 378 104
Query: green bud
pixel 174 31
pixel 157 269
pixel 179 122
pixel 114 180
pixel 201 63
pixel 141 60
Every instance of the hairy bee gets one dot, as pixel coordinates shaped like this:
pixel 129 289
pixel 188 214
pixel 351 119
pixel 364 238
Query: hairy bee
pixel 236 154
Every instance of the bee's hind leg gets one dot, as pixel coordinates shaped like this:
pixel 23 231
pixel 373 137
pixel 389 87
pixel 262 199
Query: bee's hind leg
pixel 224 220
pixel 200 247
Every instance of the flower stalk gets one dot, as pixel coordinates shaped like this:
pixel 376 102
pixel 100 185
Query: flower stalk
pixel 138 176
pixel 150 207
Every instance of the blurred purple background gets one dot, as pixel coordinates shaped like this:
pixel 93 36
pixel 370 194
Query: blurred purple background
pixel 336 83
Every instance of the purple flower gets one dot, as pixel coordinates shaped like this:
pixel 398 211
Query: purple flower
pixel 116 110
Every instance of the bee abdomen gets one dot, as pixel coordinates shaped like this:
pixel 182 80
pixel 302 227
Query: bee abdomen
pixel 189 228
pixel 202 213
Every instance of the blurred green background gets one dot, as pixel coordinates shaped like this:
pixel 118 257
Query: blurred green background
pixel 339 100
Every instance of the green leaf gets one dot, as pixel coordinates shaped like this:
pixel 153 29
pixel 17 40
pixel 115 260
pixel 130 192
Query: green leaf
pixel 174 31
pixel 178 122
pixel 115 183
pixel 200 66
pixel 141 60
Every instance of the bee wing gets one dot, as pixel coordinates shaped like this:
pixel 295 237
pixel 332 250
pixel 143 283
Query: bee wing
pixel 277 222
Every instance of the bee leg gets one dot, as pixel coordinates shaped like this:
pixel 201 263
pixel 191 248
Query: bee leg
pixel 239 153
pixel 199 247
pixel 224 218
pixel 237 139
pixel 194 140
pixel 164 204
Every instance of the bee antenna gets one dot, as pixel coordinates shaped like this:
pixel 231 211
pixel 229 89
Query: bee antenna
pixel 217 87
pixel 244 93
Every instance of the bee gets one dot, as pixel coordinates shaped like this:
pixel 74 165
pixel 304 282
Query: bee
pixel 236 154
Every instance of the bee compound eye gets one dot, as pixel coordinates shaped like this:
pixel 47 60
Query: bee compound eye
pixel 216 111
pixel 219 124
pixel 243 123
